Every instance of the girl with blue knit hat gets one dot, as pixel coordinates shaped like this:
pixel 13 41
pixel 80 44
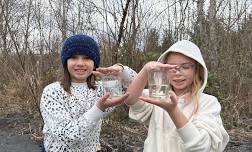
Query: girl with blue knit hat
pixel 73 108
pixel 188 119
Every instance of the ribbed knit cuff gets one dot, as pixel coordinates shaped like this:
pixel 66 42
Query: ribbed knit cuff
pixel 188 132
pixel 138 105
pixel 94 114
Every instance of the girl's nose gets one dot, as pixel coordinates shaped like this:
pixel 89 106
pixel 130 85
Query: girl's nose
pixel 80 62
pixel 177 70
pixel 174 70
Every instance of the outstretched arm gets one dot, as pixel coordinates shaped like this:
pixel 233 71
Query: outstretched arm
pixel 136 87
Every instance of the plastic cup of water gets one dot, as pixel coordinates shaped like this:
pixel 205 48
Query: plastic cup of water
pixel 112 84
pixel 158 84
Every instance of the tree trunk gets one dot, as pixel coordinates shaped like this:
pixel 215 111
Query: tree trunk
pixel 212 35
pixel 120 35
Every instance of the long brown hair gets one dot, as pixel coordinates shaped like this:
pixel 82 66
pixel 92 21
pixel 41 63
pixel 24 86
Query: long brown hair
pixel 66 80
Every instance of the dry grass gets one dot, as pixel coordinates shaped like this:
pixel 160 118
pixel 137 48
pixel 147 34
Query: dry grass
pixel 20 94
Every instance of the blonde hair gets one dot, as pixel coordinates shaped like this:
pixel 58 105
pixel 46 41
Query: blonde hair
pixel 196 85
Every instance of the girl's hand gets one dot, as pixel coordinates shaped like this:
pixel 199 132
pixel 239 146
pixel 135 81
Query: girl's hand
pixel 168 104
pixel 112 70
pixel 105 102
pixel 157 66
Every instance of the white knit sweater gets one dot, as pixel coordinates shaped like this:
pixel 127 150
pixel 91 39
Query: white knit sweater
pixel 204 131
pixel 73 123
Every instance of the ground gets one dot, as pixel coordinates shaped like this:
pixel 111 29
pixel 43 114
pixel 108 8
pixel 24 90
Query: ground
pixel 21 133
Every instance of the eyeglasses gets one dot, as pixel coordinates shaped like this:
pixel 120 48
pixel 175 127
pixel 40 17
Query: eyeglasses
pixel 184 68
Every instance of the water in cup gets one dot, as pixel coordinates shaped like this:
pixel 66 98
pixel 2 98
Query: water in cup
pixel 158 91
pixel 158 83
pixel 112 85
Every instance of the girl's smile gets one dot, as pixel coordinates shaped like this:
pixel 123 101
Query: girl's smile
pixel 178 81
pixel 80 71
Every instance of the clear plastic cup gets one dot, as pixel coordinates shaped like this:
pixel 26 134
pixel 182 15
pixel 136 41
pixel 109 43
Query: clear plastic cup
pixel 158 84
pixel 112 84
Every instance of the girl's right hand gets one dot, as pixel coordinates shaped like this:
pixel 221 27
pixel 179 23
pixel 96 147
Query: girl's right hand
pixel 157 66
pixel 105 102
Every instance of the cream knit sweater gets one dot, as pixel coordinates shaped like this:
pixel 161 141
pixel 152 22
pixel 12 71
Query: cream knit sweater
pixel 204 131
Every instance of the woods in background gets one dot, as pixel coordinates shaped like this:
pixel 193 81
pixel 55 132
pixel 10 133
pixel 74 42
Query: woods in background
pixel 131 32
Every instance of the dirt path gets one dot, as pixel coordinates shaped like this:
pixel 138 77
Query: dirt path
pixel 10 141
pixel 239 147
pixel 15 136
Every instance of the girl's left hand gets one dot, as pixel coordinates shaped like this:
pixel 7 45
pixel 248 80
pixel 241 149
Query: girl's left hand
pixel 105 102
pixel 112 70
pixel 168 104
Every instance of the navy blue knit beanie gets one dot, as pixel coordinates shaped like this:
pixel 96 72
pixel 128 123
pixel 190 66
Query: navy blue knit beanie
pixel 80 44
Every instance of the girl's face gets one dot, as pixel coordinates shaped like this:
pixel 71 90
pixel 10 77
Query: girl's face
pixel 182 76
pixel 80 67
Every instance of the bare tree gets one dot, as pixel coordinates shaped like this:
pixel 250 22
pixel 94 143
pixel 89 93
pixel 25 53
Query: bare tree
pixel 4 20
pixel 131 34
pixel 120 33
pixel 200 19
pixel 212 35
pixel 60 9
pixel 31 35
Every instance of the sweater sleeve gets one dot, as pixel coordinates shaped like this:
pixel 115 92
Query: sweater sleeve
pixel 58 121
pixel 127 76
pixel 205 132
pixel 141 111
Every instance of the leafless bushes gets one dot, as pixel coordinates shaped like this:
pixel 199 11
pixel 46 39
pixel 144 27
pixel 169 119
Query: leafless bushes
pixel 31 34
